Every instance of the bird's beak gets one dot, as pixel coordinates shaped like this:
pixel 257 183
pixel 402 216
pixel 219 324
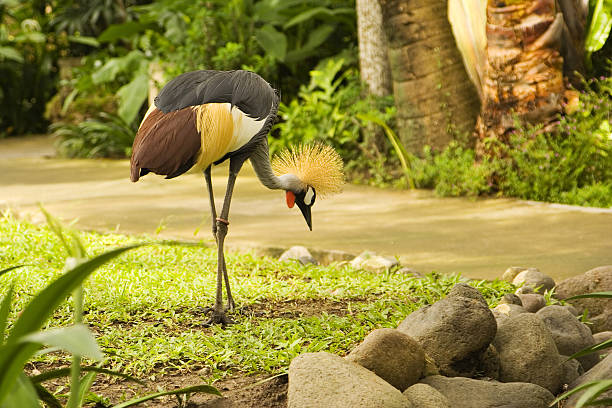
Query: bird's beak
pixel 306 213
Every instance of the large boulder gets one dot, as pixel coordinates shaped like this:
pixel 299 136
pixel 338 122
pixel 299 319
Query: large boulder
pixel 535 279
pixel 455 331
pixel 426 396
pixel 326 380
pixel 570 335
pixel 392 355
pixel 595 280
pixel 470 393
pixel 600 338
pixel 527 352
pixel 602 371
pixel 505 310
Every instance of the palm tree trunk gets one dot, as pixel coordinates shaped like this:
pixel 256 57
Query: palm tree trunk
pixel 373 61
pixel 524 68
pixel 433 94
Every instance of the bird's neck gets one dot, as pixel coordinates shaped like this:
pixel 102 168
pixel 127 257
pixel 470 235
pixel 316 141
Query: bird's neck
pixel 260 159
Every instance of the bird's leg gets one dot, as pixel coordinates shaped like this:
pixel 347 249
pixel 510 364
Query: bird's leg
pixel 230 300
pixel 218 313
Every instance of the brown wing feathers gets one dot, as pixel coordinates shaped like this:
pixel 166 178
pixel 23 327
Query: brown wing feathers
pixel 166 144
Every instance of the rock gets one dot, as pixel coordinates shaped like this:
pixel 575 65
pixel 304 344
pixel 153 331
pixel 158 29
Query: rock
pixel 535 279
pixel 326 257
pixel 298 253
pixel 511 299
pixel 523 290
pixel 573 310
pixel 532 302
pixel 503 311
pixel 569 334
pixel 392 355
pixel 369 261
pixel 595 280
pixel 327 380
pixel 600 338
pixel 571 370
pixel 489 363
pixel 406 270
pixel 425 396
pixel 454 331
pixel 602 371
pixel 470 393
pixel 511 273
pixel 527 352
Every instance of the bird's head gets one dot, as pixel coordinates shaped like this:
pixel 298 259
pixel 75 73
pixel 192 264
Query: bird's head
pixel 306 171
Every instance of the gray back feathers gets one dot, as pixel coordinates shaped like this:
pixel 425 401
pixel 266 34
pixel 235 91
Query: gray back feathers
pixel 243 89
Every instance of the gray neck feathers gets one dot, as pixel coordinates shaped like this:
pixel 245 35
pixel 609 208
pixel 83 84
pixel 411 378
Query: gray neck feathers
pixel 260 159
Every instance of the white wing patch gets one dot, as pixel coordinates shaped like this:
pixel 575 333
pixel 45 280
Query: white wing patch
pixel 244 128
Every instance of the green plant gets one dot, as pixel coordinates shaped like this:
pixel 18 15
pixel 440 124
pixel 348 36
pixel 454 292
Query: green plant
pixel 104 136
pixel 24 339
pixel 593 389
pixel 329 110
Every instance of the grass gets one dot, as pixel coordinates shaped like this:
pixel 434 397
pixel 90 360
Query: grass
pixel 144 305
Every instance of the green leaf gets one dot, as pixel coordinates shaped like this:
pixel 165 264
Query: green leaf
pixel 576 390
pixel 591 349
pixel 114 66
pixel 208 389
pixel 272 41
pixel 22 395
pixel 45 396
pixel 65 372
pixel 592 392
pixel 122 31
pixel 77 339
pixel 11 54
pixel 317 11
pixel 602 295
pixel 13 355
pixel 91 41
pixel 132 96
pixel 3 271
pixel 5 308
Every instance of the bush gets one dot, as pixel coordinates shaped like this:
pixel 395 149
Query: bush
pixel 328 110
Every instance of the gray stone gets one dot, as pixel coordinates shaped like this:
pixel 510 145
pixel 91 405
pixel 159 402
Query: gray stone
pixel 511 273
pixel 489 363
pixel 535 279
pixel 470 393
pixel 426 396
pixel 511 299
pixel 573 310
pixel 454 331
pixel 298 253
pixel 369 261
pixel 326 380
pixel 532 302
pixel 329 256
pixel 571 370
pixel 527 352
pixel 569 334
pixel 503 311
pixel 602 371
pixel 406 270
pixel 392 355
pixel 524 290
pixel 596 280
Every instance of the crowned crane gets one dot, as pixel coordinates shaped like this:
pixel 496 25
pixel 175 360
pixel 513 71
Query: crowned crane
pixel 203 118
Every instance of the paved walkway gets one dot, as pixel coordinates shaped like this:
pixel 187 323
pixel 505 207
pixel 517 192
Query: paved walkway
pixel 479 238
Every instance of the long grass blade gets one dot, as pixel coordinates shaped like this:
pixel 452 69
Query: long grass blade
pixel 594 295
pixel 64 372
pixel 573 391
pixel 39 310
pixel 592 392
pixel 22 395
pixel 208 389
pixel 591 349
pixel 76 339
pixel 45 396
pixel 7 270
pixel 5 308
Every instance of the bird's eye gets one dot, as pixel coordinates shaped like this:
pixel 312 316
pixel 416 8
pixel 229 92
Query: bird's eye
pixel 309 198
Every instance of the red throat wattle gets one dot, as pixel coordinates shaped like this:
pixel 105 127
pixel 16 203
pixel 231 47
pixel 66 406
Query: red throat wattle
pixel 290 199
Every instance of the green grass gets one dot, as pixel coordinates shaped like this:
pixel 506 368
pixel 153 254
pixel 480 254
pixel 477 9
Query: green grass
pixel 143 306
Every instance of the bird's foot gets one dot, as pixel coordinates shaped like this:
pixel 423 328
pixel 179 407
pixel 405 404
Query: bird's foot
pixel 217 317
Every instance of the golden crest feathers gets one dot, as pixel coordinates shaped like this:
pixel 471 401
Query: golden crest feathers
pixel 317 165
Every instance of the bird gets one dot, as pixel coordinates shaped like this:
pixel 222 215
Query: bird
pixel 202 118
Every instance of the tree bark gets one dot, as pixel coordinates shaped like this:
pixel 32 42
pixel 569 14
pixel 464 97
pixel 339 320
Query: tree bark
pixel 433 94
pixel 524 71
pixel 373 61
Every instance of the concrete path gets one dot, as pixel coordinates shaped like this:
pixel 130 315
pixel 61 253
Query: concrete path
pixel 479 238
